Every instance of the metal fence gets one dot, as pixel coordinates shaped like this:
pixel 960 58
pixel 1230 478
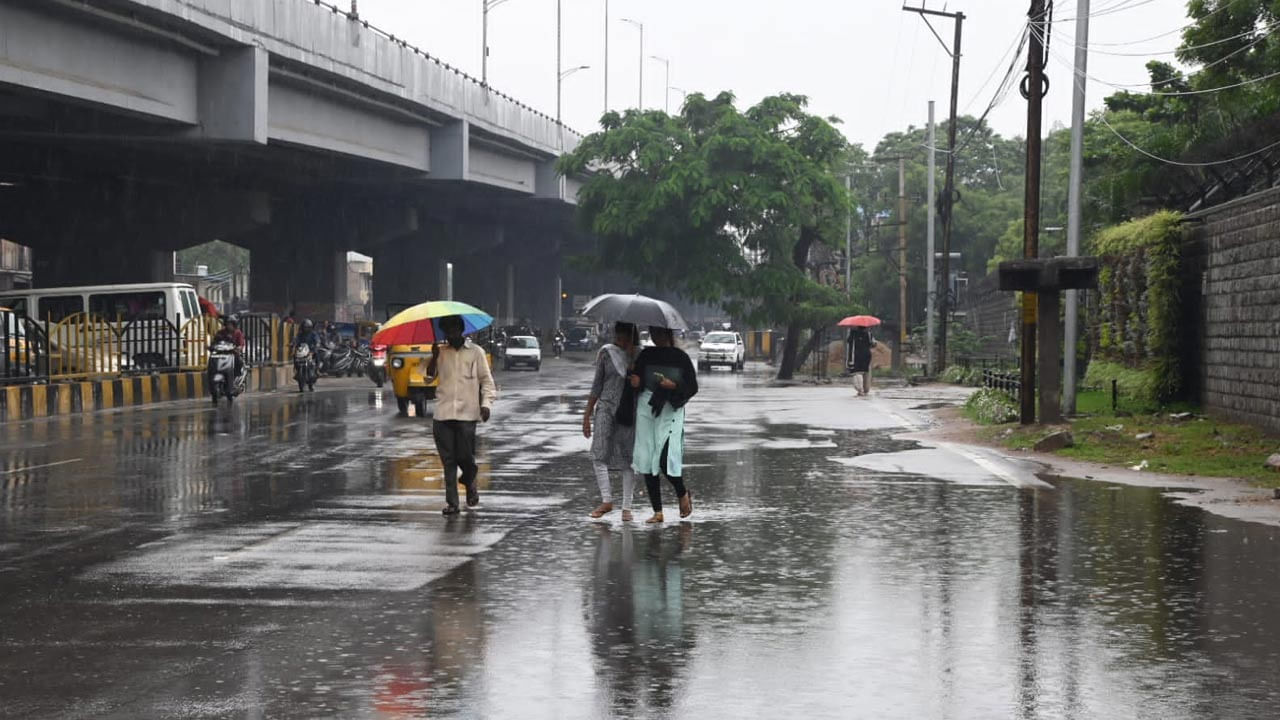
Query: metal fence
pixel 1006 381
pixel 25 357
pixel 86 346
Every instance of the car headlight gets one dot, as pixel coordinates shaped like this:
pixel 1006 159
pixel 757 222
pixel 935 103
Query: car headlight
pixel 397 363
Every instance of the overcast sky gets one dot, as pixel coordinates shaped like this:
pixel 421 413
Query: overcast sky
pixel 864 61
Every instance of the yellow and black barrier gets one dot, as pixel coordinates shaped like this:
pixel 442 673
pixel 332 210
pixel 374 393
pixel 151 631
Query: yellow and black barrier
pixel 24 402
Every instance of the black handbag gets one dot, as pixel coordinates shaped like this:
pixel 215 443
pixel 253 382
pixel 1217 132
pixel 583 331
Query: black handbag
pixel 625 415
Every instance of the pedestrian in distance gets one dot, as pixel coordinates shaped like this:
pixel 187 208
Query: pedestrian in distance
pixel 609 420
pixel 464 397
pixel 859 344
pixel 664 377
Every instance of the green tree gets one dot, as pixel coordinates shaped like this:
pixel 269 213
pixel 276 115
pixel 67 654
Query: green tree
pixel 721 205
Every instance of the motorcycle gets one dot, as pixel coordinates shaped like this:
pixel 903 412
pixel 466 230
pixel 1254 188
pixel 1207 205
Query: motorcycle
pixel 377 367
pixel 360 359
pixel 305 371
pixel 557 346
pixel 222 376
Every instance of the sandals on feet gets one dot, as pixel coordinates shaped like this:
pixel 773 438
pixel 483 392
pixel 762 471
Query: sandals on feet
pixel 604 509
pixel 654 519
pixel 686 505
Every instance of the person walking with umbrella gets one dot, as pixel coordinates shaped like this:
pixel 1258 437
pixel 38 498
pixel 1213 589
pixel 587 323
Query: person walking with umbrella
pixel 609 421
pixel 464 397
pixel 859 347
pixel 465 392
pixel 666 381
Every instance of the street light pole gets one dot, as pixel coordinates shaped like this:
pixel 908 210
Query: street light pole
pixel 559 70
pixel 639 25
pixel 666 103
pixel 606 55
pixel 485 7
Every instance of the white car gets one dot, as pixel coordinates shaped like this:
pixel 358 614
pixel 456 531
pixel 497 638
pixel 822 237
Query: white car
pixel 722 348
pixel 522 350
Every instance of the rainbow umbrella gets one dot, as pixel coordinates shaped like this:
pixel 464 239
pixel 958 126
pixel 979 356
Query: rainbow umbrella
pixel 420 324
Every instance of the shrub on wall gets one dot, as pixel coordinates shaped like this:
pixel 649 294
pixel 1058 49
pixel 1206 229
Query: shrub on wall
pixel 1135 320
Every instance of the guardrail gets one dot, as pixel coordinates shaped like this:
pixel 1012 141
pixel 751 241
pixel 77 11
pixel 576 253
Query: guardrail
pixel 84 346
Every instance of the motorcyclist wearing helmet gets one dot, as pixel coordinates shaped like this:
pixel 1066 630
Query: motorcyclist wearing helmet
pixel 231 333
pixel 307 335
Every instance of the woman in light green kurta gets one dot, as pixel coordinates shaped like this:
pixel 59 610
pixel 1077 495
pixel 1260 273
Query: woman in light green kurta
pixel 666 380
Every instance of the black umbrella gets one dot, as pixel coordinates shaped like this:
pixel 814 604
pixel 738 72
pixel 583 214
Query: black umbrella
pixel 636 309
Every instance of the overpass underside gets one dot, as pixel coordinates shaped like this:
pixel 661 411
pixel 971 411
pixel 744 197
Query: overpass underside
pixel 128 132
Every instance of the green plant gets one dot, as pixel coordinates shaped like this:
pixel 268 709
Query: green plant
pixel 989 406
pixel 954 374
pixel 1136 318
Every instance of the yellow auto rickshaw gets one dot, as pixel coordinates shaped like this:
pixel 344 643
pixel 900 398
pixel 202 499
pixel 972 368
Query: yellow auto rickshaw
pixel 407 366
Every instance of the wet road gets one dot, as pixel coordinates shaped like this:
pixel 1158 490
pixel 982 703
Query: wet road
pixel 288 560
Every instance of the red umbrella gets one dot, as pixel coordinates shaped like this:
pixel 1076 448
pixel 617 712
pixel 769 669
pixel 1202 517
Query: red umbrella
pixel 862 321
pixel 208 307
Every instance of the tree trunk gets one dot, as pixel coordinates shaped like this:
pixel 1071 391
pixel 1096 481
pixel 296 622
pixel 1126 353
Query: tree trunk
pixel 812 344
pixel 787 366
pixel 800 256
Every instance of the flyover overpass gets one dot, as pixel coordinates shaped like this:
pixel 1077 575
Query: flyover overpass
pixel 133 128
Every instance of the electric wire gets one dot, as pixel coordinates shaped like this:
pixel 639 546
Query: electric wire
pixel 1159 93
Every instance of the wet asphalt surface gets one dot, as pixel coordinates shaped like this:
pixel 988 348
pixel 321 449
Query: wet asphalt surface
pixel 287 559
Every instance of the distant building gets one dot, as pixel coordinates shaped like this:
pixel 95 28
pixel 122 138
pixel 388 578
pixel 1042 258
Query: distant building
pixel 15 265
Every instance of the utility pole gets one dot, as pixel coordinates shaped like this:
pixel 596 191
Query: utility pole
pixel 1033 90
pixel 931 279
pixel 899 356
pixel 1071 334
pixel 948 203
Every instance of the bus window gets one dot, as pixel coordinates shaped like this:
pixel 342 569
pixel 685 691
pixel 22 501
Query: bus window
pixel 141 305
pixel 56 308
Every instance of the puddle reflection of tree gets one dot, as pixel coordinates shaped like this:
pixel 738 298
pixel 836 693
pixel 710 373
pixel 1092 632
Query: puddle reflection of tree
pixel 636 614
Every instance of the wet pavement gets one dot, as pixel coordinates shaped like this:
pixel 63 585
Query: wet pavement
pixel 287 559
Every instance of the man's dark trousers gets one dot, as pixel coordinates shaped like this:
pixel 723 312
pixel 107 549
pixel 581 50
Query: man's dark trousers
pixel 456 444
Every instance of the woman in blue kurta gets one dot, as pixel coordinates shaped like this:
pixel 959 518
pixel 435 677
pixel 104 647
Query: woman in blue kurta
pixel 665 379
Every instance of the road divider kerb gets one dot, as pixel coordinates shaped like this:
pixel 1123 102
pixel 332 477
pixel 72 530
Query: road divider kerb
pixel 27 402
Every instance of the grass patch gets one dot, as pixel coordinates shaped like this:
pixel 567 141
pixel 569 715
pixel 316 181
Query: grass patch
pixel 1202 447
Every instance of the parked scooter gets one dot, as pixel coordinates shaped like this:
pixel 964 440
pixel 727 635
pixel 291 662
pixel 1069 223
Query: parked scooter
pixel 360 359
pixel 305 370
pixel 378 364
pixel 221 373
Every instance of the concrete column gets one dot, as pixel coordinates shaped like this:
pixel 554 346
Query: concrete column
pixel 97 260
pixel 508 306
pixel 1049 355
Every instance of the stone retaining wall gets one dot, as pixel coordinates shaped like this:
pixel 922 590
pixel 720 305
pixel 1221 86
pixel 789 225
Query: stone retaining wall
pixel 1237 252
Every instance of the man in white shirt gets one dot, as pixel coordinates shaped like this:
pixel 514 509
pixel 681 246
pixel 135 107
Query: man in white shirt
pixel 464 396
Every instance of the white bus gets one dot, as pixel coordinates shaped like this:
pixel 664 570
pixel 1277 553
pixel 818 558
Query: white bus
pixel 115 328
pixel 175 302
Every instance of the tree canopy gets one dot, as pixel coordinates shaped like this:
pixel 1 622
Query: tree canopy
pixel 721 205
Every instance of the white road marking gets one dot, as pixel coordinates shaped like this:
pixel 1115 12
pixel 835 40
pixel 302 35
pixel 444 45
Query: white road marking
pixel 29 468
pixel 995 467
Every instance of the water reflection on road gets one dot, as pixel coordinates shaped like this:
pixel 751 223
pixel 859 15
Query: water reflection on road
pixel 288 560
